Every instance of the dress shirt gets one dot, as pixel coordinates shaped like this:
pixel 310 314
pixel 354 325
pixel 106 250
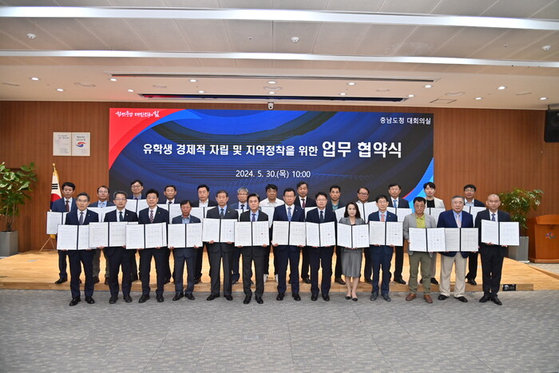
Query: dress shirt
pixel 203 204
pixel 255 215
pixel 185 220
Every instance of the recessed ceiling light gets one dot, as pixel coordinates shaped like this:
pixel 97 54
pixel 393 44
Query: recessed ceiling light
pixel 192 80
pixel 546 47
pixel 351 83
pixel 428 86
pixel 113 79
pixel 543 98
pixel 342 94
pixel 60 89
pixel 31 36
pixel 272 82
pixel 201 92
pixel 130 90
pixel 34 78
pixel 455 93
pixel 502 88
pixel 272 92
pixel 410 96
pixel 295 39
pixel 478 98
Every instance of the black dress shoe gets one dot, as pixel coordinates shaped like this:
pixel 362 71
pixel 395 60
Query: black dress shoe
pixel 326 298
pixel 189 296
pixel 399 281
pixel 280 296
pixel 386 297
pixel 113 299
pixel 61 280
pixel 229 297
pixel 259 300
pixel 485 298
pixel 75 301
pixel 233 282
pixel 89 300
pixel 297 297
pixel 143 298
pixel 212 296
pixel 374 296
pixel 347 297
pixel 133 278
pixel 166 281
pixel 197 281
pixel 247 299
pixel 340 281
pixel 127 298
pixel 496 300
pixel 462 299
pixel 160 298
pixel 442 297
pixel 354 299
pixel 314 297
pixel 471 281
pixel 306 280
pixel 177 296
pixel 95 279
pixel 434 281
pixel 368 280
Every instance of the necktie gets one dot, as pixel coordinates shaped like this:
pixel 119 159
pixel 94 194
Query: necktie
pixel 303 203
pixel 289 213
pixel 493 217
pixel 81 217
pixel 395 203
pixel 321 216
pixel 458 221
pixel 242 207
pixel 382 217
pixel 253 217
pixel 67 206
pixel 120 216
pixel 222 215
pixel 151 216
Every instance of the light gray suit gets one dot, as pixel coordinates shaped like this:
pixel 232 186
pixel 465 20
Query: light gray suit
pixel 419 257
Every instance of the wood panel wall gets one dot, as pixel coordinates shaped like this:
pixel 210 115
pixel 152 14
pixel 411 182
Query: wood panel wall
pixel 494 149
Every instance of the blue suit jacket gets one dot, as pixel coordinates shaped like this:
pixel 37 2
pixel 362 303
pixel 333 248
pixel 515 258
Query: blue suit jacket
pixel 60 205
pixel 313 216
pixel 485 215
pixel 229 214
pixel 375 216
pixel 402 203
pixel 128 216
pixel 178 219
pixel 188 251
pixel 447 220
pixel 89 217
pixel 298 213
pixel 161 216
pixel 96 204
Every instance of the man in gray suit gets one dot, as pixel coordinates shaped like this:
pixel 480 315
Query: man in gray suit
pixel 184 254
pixel 419 220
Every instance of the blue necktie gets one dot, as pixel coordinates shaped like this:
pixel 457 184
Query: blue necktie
pixel 321 216
pixel 493 217
pixel 395 203
pixel 253 217
pixel 289 213
pixel 81 217
pixel 222 215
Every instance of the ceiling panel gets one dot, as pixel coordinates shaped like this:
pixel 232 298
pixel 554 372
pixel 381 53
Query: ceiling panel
pixel 355 5
pixel 509 43
pixel 206 36
pixel 114 34
pixel 406 6
pixel 18 28
pixel 254 36
pixel 463 8
pixel 467 41
pixel 520 9
pixel 383 40
pixel 160 35
pixel 284 31
pixel 339 38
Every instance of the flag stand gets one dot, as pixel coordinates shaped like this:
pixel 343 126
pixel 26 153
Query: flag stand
pixel 51 240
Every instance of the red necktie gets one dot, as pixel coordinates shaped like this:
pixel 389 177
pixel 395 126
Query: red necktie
pixel 67 206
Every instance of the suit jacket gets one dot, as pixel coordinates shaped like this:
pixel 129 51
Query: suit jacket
pixel 329 205
pixel 486 215
pixel 246 216
pixel 197 203
pixel 161 216
pixel 402 203
pixel 236 206
pixel 96 204
pixel 410 222
pixel 447 220
pixel 313 216
pixel 111 216
pixel 89 217
pixel 309 202
pixel 280 213
pixel 214 214
pixel 178 219
pixel 478 203
pixel 164 201
pixel 60 205
pixel 375 216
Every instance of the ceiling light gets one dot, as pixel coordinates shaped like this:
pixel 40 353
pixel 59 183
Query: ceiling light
pixel 351 83
pixel 113 79
pixel 455 93
pixel 546 47
pixel 383 90
pixel 502 88
pixel 428 86
pixel 295 39
pixel 34 78
pixel 31 36
pixel 543 98
pixel 342 94
pixel 59 89
pixel 192 80
pixel 478 98
pixel 130 90
pixel 201 92
pixel 272 82
pixel 272 92
pixel 410 96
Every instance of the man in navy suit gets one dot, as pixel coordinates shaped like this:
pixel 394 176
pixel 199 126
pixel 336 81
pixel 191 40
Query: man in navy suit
pixel 241 204
pixel 333 204
pixel 151 215
pixel 102 202
pixel 81 216
pixel 491 254
pixel 256 254
pixel 203 201
pixel 398 203
pixel 469 195
pixel 184 254
pixel 381 255
pixel 64 204
pixel 119 256
pixel 304 201
pixel 321 256
pixel 221 252
pixel 455 218
pixel 136 188
pixel 288 212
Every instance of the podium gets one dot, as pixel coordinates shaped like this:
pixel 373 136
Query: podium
pixel 544 239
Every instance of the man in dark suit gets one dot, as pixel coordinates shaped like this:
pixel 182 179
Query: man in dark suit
pixel 169 195
pixel 381 255
pixel 152 215
pixel 455 218
pixel 288 253
pixel 333 204
pixel 398 203
pixel 136 188
pixel 64 204
pixel 81 216
pixel 256 254
pixel 321 256
pixel 242 205
pixel 103 195
pixel 469 195
pixel 203 201
pixel 221 252
pixel 303 200
pixel 184 254
pixel 491 254
pixel 118 256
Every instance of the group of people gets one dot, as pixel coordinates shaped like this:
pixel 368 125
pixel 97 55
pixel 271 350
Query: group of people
pixel 226 256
